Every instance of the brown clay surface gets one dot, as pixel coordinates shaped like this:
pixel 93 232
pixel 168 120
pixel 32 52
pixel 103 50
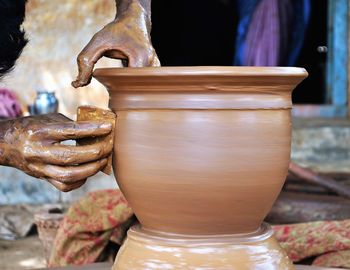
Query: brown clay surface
pixel 86 113
pixel 245 252
pixel 213 87
pixel 202 172
pixel 201 150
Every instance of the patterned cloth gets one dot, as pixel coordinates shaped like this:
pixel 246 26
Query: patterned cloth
pixel 89 224
pixel 9 105
pixel 105 216
pixel 328 241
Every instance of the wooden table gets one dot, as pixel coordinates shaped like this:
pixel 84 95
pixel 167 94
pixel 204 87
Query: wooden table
pixel 107 266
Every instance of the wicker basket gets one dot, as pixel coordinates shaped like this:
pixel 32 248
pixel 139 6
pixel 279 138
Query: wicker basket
pixel 47 222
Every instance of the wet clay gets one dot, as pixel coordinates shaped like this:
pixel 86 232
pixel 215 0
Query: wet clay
pixel 201 151
pixel 258 250
pixel 33 145
pixel 88 113
pixel 201 144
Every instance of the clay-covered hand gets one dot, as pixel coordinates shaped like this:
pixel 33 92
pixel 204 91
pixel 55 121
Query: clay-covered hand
pixel 127 37
pixel 33 145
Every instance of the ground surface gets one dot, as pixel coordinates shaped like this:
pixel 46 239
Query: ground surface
pixel 26 253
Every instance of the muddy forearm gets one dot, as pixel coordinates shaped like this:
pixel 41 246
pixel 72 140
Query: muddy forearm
pixel 124 5
pixel 4 147
pixel 134 8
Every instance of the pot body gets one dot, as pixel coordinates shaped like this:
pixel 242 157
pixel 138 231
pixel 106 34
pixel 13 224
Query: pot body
pixel 201 151
pixel 202 171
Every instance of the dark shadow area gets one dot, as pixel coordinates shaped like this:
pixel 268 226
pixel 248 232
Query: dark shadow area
pixel 202 32
pixel 196 32
pixel 313 89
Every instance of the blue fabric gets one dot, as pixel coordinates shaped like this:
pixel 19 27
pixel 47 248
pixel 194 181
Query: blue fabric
pixel 245 10
pixel 301 16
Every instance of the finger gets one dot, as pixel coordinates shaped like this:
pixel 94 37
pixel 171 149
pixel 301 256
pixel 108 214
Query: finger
pixel 69 174
pixel 116 54
pixel 87 59
pixel 73 130
pixel 66 187
pixel 58 117
pixel 71 155
pixel 50 118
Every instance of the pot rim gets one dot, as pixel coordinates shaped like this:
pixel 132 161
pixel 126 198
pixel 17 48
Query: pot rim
pixel 200 71
pixel 201 87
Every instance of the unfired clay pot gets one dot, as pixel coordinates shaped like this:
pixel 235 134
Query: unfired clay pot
pixel 201 154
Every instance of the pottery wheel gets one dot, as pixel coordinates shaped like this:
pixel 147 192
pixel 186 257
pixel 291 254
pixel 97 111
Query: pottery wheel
pixel 152 250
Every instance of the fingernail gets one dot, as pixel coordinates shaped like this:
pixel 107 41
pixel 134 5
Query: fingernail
pixel 75 84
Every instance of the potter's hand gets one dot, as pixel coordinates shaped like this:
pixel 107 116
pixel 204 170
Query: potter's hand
pixel 32 144
pixel 127 37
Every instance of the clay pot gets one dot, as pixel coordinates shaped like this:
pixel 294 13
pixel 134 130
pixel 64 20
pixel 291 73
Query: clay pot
pixel 201 150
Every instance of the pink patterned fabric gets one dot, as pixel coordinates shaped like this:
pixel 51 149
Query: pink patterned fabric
pixel 89 224
pixel 9 105
pixel 326 241
pixel 105 215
